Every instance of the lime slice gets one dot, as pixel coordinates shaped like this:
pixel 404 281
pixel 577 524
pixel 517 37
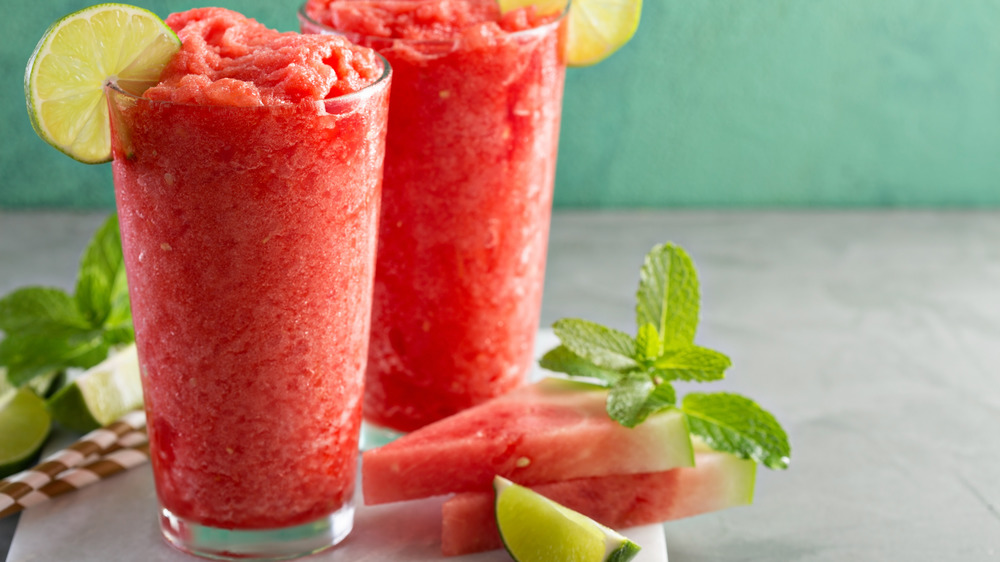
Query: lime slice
pixel 64 80
pixel 101 394
pixel 24 425
pixel 535 528
pixel 596 28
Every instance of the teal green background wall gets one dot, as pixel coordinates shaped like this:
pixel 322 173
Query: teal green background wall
pixel 714 103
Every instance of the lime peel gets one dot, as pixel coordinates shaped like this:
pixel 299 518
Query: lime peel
pixel 595 28
pixel 64 79
pixel 24 426
pixel 535 528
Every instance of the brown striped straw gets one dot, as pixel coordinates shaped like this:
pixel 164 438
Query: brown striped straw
pixel 130 439
pixel 93 443
pixel 118 460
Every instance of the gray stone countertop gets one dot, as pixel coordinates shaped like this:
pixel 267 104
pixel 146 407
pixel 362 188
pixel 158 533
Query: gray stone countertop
pixel 873 336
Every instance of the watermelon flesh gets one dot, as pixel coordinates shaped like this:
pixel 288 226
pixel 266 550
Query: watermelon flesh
pixel 550 431
pixel 717 481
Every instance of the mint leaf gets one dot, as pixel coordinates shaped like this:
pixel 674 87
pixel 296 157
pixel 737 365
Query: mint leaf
pixel 604 347
pixel 120 313
pixel 733 424
pixel 668 296
pixel 26 358
pixel 635 397
pixel 40 310
pixel 648 344
pixel 29 356
pixel 120 335
pixel 97 284
pixel 562 360
pixel 691 363
pixel 663 395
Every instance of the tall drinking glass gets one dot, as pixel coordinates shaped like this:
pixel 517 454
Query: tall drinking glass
pixel 469 171
pixel 249 236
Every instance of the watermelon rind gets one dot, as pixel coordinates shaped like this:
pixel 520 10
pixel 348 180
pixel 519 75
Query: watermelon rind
pixel 742 473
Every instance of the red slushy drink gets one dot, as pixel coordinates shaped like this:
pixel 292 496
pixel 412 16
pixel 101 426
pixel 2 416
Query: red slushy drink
pixel 469 169
pixel 248 185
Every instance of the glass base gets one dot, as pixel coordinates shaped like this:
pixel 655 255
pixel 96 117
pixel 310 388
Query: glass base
pixel 374 436
pixel 257 544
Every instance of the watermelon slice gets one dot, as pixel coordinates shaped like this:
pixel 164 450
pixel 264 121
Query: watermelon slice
pixel 546 432
pixel 717 481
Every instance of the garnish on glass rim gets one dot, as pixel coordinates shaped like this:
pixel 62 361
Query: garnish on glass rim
pixel 639 370
pixel 595 28
pixel 64 80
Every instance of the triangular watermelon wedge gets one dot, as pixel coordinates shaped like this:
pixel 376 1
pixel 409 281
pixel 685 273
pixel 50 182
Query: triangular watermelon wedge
pixel 717 481
pixel 550 431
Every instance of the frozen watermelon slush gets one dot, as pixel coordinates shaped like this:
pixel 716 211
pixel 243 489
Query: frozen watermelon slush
pixel 469 169
pixel 248 186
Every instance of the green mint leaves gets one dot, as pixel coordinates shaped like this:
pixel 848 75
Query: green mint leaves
pixel 668 296
pixel 604 347
pixel 729 422
pixel 46 329
pixel 101 288
pixel 639 370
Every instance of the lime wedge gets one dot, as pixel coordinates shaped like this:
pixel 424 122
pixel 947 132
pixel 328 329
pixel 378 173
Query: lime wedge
pixel 101 394
pixel 596 28
pixel 535 528
pixel 64 80
pixel 24 425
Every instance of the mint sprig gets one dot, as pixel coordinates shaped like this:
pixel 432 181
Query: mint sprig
pixel 639 370
pixel 45 329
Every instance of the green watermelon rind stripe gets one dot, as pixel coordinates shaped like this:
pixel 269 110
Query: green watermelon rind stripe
pixel 679 445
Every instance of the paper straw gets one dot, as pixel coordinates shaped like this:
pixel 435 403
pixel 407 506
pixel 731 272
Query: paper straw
pixel 94 443
pixel 119 460
pixel 130 439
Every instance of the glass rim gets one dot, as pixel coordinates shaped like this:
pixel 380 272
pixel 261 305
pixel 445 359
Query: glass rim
pixel 380 83
pixel 305 17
